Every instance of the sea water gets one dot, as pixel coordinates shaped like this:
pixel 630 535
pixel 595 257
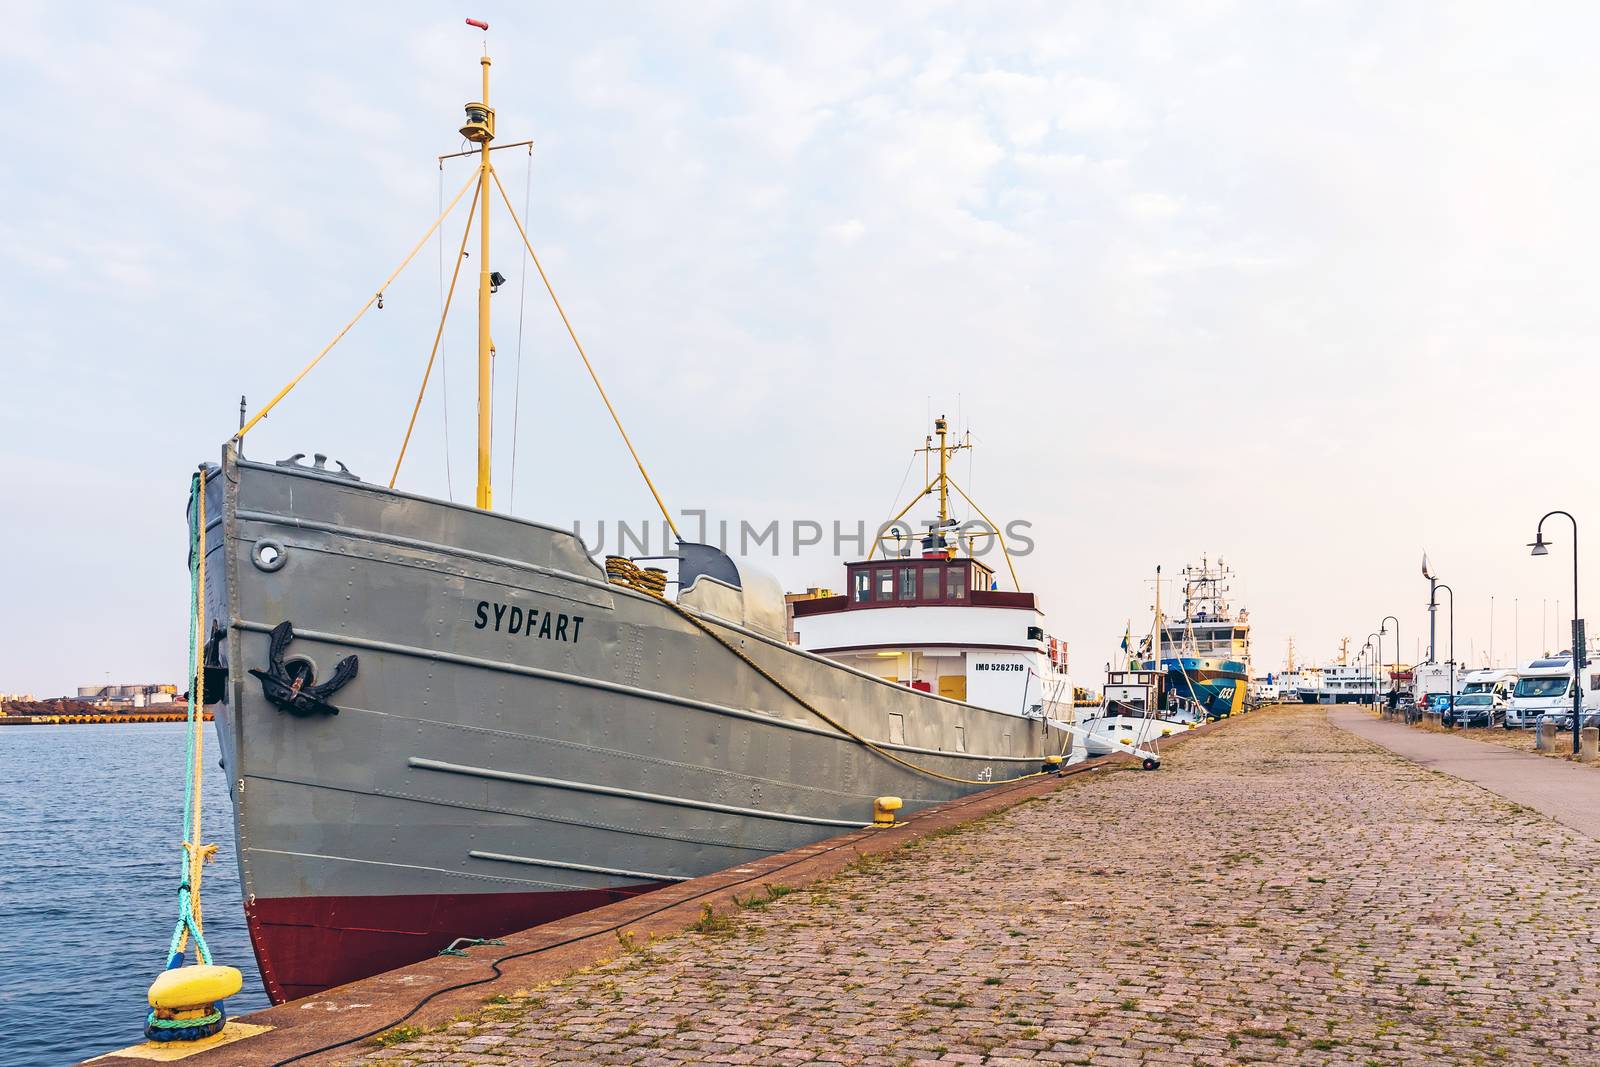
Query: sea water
pixel 90 823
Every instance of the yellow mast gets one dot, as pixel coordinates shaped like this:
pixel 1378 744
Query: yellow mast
pixel 941 427
pixel 480 128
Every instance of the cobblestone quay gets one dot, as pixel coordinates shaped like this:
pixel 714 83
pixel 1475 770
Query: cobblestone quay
pixel 1279 892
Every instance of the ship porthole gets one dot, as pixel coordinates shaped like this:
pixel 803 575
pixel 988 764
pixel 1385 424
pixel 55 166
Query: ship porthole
pixel 301 671
pixel 268 556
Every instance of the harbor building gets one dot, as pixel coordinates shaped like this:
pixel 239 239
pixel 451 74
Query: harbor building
pixel 113 697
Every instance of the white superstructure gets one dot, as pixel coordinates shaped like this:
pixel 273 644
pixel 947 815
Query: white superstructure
pixel 933 623
pixel 937 622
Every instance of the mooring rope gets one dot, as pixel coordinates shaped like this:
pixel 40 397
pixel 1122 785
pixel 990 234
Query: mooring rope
pixel 438 336
pixel 572 333
pixel 375 298
pixel 195 855
pixel 872 746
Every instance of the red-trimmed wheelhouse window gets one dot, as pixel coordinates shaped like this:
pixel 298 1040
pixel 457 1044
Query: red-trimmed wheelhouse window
pixel 908 583
pixel 883 578
pixel 956 579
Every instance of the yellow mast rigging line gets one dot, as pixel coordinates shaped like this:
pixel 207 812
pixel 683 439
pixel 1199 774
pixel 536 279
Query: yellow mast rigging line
pixel 1000 536
pixel 943 480
pixel 582 354
pixel 247 427
pixel 924 491
pixel 444 313
pixel 480 174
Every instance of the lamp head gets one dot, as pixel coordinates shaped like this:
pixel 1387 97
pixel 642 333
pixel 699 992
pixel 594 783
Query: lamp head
pixel 1539 547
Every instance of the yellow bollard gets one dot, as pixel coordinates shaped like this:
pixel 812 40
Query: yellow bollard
pixel 186 1002
pixel 883 810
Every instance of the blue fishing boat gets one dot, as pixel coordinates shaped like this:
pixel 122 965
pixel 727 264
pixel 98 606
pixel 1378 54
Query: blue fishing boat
pixel 1206 653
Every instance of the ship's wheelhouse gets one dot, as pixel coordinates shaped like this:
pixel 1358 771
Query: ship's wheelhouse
pixel 935 580
pixel 937 623
pixel 1133 692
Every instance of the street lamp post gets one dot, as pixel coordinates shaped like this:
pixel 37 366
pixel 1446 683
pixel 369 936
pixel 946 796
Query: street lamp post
pixel 1374 664
pixel 1383 628
pixel 1541 548
pixel 1452 592
pixel 1361 660
pixel 1361 656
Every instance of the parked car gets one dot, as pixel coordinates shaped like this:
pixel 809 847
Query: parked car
pixel 1477 709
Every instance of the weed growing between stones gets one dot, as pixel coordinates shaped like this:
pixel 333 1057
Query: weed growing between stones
pixel 712 924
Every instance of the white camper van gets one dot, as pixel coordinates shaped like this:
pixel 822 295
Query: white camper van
pixel 1497 681
pixel 1430 685
pixel 1545 685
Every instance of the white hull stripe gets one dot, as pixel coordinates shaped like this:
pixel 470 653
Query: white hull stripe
pixel 629 794
pixel 590 868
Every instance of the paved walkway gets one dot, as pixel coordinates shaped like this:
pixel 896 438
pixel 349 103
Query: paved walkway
pixel 1279 892
pixel 1566 792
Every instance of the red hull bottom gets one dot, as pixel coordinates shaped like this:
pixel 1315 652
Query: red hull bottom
pixel 305 945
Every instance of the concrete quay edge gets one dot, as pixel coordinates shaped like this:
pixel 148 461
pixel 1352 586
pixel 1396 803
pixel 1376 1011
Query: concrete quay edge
pixel 333 1026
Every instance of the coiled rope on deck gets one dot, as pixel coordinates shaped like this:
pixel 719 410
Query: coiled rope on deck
pixel 620 570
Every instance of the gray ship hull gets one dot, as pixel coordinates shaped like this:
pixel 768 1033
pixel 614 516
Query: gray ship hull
pixel 521 740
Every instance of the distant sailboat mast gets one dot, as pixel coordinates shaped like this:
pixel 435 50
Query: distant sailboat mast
pixel 1158 628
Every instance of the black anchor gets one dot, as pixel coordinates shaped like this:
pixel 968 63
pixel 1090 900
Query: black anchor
pixel 288 690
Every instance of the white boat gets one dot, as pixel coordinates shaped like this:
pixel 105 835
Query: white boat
pixel 1137 708
pixel 1340 683
pixel 1131 715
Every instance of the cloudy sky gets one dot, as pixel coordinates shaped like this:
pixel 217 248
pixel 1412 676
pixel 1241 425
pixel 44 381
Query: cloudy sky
pixel 1309 286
